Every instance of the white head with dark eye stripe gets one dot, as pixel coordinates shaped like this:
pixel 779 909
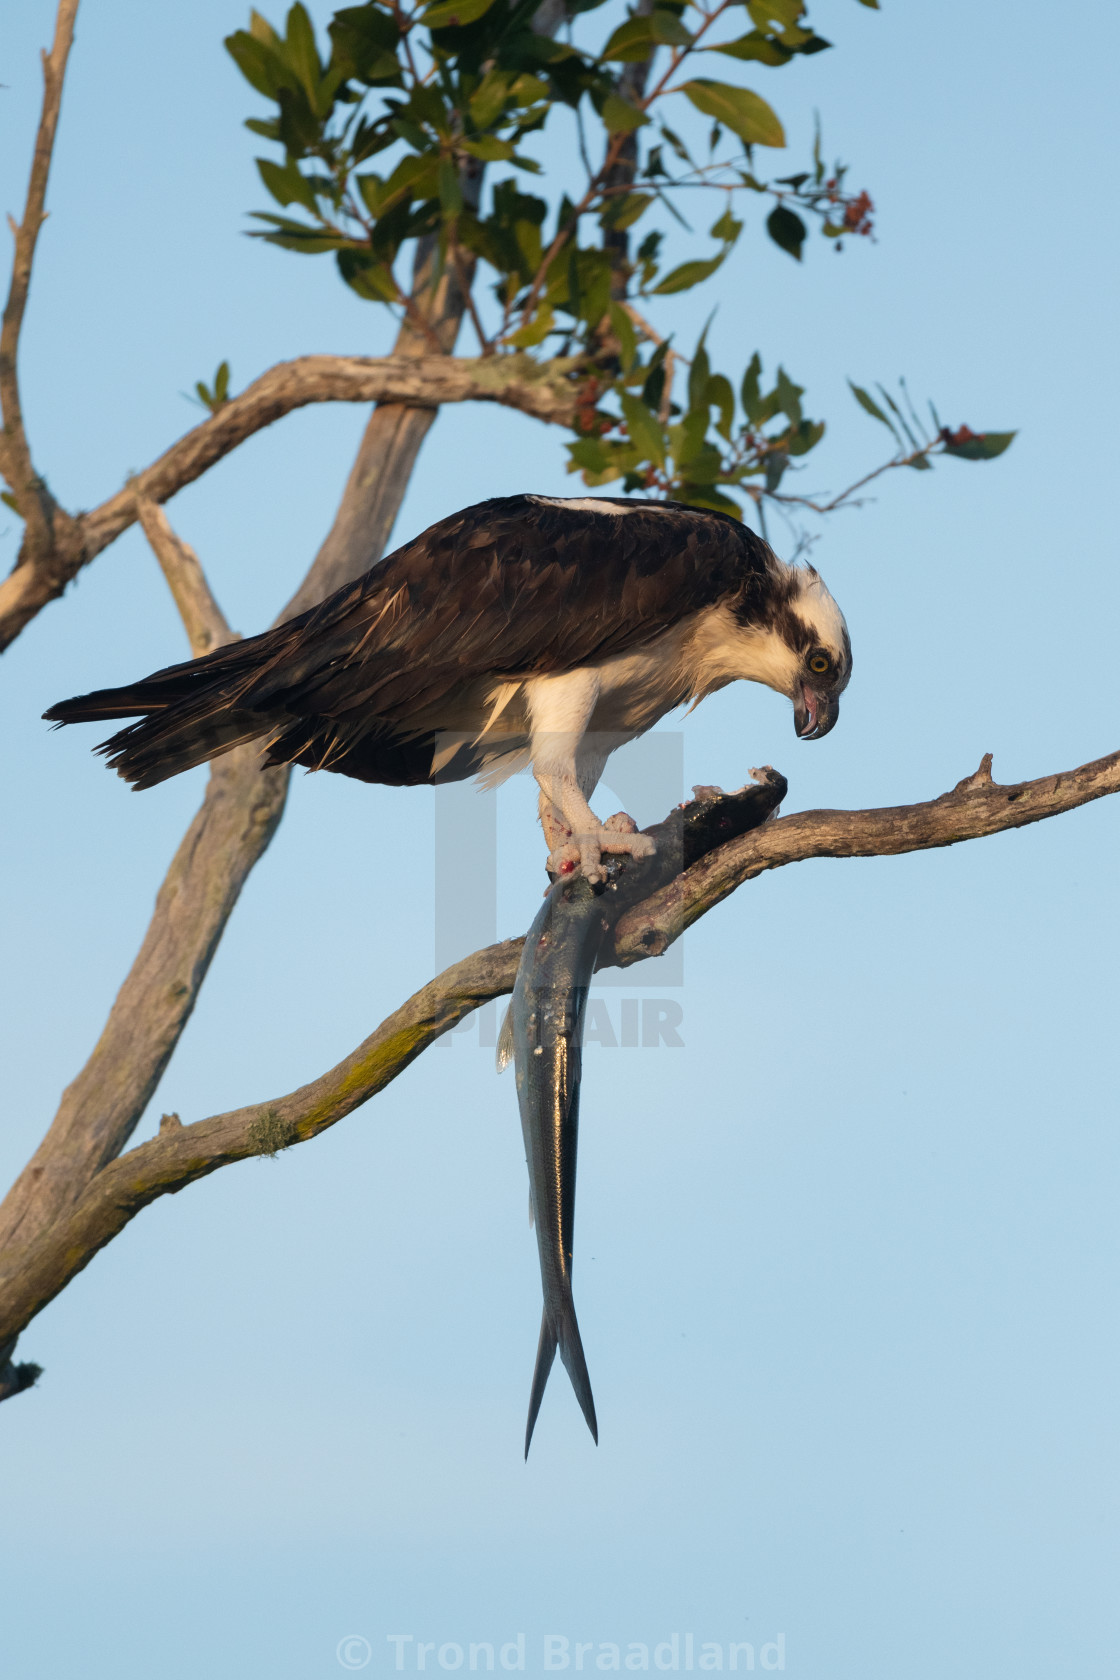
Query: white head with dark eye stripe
pixel 813 628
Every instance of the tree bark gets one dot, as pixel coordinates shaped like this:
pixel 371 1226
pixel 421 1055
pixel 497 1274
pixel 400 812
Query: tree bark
pixel 238 817
pixel 43 1264
pixel 418 384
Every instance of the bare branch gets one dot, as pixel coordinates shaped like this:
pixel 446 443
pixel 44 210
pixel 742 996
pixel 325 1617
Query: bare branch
pixel 417 382
pixel 846 498
pixel 46 523
pixel 33 1275
pixel 239 814
pixel 977 806
pixel 99 1111
pixel 203 619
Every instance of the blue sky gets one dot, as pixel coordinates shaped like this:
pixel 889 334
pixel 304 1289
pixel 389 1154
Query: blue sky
pixel 847 1259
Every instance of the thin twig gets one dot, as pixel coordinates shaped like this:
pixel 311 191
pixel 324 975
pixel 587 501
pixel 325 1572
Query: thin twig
pixel 36 504
pixel 203 619
pixel 461 275
pixel 844 497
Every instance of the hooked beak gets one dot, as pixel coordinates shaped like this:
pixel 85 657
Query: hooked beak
pixel 815 713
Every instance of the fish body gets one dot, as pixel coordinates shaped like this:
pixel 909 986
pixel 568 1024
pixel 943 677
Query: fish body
pixel 545 1028
pixel 546 1018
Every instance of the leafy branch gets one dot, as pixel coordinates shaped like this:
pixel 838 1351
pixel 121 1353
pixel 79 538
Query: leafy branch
pixel 438 94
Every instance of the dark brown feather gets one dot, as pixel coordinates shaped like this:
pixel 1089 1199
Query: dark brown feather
pixel 514 587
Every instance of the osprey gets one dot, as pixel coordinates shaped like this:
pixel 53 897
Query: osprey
pixel 524 630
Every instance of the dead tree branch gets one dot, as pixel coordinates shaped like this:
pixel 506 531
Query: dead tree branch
pixel 49 531
pixel 977 806
pixel 408 385
pixel 203 619
pixel 32 1273
pixel 243 803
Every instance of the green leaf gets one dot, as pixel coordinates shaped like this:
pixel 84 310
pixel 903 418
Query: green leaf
pixel 698 375
pixel 624 211
pixel 707 496
pixel 257 62
pixel 723 397
pixel 738 109
pixel 785 13
pixel 654 387
pixel 726 228
pixel 620 117
pixel 9 501
pixel 633 39
pixel 296 236
pixel 686 439
pixel 489 97
pixel 537 330
pixel 302 52
pixel 489 148
pixel 453 14
pixel 529 90
pixel 688 274
pixel 750 393
pixel 868 403
pixel 286 184
pixel 450 191
pixel 623 328
pixel 644 427
pixel 371 280
pixel 364 42
pixel 806 437
pixel 630 43
pixel 787 230
pixel 789 396
pixel 221 384
pixel 590 453
pixel 985 446
pixel 427 106
pixel 756 45
pixel 776 464
pixel 898 414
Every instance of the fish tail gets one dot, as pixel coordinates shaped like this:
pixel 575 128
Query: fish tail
pixel 571 1352
pixel 546 1353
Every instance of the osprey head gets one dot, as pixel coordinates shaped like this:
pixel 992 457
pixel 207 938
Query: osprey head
pixel 793 638
pixel 813 629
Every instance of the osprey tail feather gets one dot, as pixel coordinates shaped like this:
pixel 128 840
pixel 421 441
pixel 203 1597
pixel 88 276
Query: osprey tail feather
pixel 187 714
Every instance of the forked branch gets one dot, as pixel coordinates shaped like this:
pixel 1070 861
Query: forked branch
pixel 423 382
pixel 203 619
pixel 32 1276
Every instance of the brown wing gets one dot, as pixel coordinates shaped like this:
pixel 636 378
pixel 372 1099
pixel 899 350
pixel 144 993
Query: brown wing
pixel 516 586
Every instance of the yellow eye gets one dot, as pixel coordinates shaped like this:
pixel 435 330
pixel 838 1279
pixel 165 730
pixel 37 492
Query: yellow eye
pixel 819 663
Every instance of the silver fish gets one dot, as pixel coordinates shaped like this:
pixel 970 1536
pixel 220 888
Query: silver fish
pixel 546 1021
pixel 543 1032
